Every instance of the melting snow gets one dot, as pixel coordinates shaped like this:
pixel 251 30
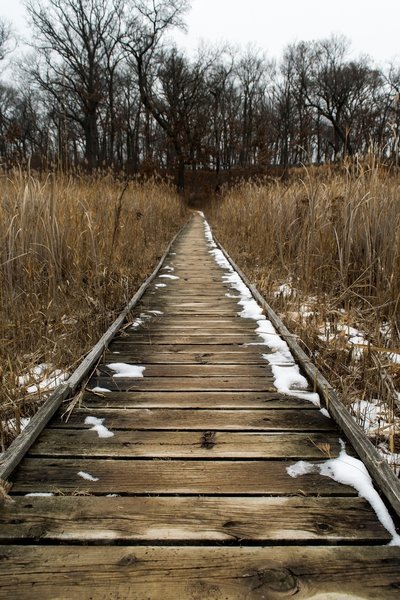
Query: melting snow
pixel 43 378
pixel 168 276
pixel 136 323
pixel 168 268
pixel 98 426
pixel 40 494
pixel 288 379
pixel 99 389
pixel 124 370
pixel 12 423
pixel 160 285
pixel 350 471
pixel 87 476
pixel 284 291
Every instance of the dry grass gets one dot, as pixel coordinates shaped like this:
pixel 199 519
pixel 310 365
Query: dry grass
pixel 334 236
pixel 73 250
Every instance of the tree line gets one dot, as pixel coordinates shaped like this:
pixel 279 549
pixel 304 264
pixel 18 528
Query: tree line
pixel 103 88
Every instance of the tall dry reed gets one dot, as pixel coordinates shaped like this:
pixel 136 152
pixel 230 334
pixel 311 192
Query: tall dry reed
pixel 73 250
pixel 338 234
pixel 334 237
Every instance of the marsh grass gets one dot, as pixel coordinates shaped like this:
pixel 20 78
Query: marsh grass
pixel 73 250
pixel 334 237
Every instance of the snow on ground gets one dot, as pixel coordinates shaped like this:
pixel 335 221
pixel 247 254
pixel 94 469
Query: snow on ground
pixel 375 417
pixel 285 290
pixel 136 323
pixel 125 370
pixel 39 494
pixel 42 378
pixel 146 316
pixel 168 268
pixel 160 285
pixel 98 426
pixel 87 476
pixel 168 277
pixel 11 424
pixel 350 471
pixel 287 377
pixel 99 390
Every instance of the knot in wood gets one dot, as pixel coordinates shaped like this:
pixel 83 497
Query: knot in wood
pixel 277 580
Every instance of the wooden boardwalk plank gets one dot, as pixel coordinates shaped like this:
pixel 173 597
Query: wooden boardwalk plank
pixel 192 384
pixel 236 351
pixel 197 370
pixel 177 399
pixel 122 519
pixel 203 419
pixel 186 444
pixel 220 477
pixel 196 573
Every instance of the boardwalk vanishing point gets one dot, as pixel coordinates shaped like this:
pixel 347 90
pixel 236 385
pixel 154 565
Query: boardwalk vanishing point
pixel 175 484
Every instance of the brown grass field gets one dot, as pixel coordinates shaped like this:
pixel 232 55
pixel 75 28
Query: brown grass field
pixel 73 250
pixel 332 237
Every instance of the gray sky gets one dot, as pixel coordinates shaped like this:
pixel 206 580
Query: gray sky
pixel 372 26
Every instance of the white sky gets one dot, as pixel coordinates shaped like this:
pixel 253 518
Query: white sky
pixel 372 26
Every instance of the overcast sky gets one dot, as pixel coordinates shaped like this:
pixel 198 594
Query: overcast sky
pixel 372 26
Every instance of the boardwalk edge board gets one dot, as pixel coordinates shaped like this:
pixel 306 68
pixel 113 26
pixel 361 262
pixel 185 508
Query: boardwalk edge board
pixel 18 448
pixel 380 471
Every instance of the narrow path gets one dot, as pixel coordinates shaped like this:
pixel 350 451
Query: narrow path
pixel 174 485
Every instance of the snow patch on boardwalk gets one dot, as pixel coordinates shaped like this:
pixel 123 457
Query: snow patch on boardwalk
pixel 350 471
pixel 87 476
pixel 125 370
pixel 98 426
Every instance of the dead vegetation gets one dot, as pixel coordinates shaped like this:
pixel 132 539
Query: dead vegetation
pixel 73 250
pixel 324 248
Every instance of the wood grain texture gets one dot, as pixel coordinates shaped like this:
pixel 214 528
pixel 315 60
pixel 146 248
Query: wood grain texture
pixel 230 400
pixel 190 384
pixel 197 370
pixel 185 444
pixel 196 573
pixel 99 519
pixel 201 419
pixel 220 477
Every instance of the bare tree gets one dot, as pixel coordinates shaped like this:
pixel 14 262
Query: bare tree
pixel 338 89
pixel 7 39
pixel 147 22
pixel 75 41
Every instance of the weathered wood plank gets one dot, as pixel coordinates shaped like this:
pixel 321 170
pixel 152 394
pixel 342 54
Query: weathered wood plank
pixel 235 350
pixel 197 370
pixel 198 573
pixel 147 337
pixel 185 444
pixel 159 329
pixel 233 420
pixel 159 476
pixel 256 384
pixel 148 356
pixel 233 400
pixel 122 519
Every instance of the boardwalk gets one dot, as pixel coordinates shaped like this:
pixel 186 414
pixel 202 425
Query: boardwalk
pixel 190 497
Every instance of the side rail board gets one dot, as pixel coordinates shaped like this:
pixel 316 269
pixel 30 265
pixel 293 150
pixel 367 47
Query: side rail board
pixel 380 471
pixel 18 448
